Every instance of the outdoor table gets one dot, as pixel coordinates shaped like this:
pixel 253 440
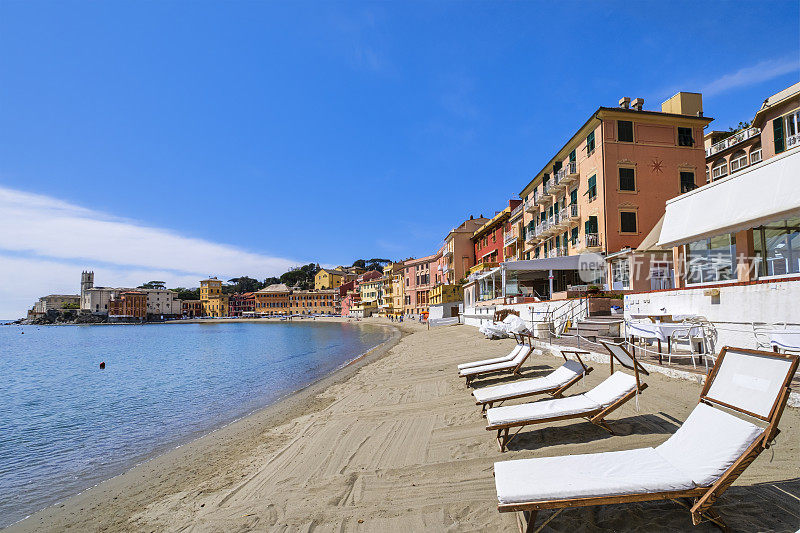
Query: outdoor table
pixel 784 339
pixel 659 332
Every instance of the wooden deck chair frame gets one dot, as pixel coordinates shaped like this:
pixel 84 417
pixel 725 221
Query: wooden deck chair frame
pixel 513 370
pixel 701 498
pixel 555 392
pixel 596 417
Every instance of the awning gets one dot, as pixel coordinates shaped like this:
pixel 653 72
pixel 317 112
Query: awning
pixel 757 195
pixel 567 262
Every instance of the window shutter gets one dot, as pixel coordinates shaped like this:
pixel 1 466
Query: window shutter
pixel 573 196
pixel 572 156
pixel 777 128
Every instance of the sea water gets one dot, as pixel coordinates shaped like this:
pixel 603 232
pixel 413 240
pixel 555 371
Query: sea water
pixel 66 425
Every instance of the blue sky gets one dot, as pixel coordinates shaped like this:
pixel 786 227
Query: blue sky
pixel 296 132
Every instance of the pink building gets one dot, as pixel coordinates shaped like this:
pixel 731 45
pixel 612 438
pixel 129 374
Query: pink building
pixel 419 276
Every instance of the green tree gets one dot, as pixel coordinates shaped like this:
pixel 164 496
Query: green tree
pixel 153 285
pixel 187 294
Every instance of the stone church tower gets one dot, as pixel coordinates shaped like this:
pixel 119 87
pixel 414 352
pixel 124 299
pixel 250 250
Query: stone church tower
pixel 87 282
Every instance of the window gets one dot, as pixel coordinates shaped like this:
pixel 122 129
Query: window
pixel 625 131
pixel 685 137
pixel 627 179
pixel 738 161
pixel 590 144
pixel 712 259
pixel 687 182
pixel 572 156
pixel 573 196
pixel 545 179
pixel 777 248
pixel 574 236
pixel 719 169
pixel 627 221
pixel 620 275
pixel 592 192
pixel 755 154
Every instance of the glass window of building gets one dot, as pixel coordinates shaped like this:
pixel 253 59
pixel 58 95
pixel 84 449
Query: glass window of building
pixel 625 131
pixel 627 179
pixel 710 260
pixel 738 161
pixel 777 248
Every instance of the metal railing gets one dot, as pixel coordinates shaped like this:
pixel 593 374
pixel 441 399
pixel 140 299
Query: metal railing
pixel 733 140
pixel 592 240
pixel 509 238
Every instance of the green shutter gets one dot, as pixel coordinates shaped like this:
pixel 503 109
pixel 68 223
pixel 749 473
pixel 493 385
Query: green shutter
pixel 591 225
pixel 573 196
pixel 572 156
pixel 590 143
pixel 592 181
pixel 575 234
pixel 777 128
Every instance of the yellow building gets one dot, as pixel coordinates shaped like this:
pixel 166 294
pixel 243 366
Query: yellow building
pixel 385 302
pixel 394 284
pixel 328 279
pixel 214 302
pixel 442 294
pixel 313 302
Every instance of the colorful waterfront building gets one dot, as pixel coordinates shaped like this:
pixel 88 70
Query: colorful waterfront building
pixel 445 294
pixel 128 305
pixel 391 300
pixel 328 279
pixel 215 303
pixel 192 308
pixel 313 302
pixel 605 189
pixel 488 241
pixel 417 283
pixel 272 300
pixel 242 304
pixel 371 294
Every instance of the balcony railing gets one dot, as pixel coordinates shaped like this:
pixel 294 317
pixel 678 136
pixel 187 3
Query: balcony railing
pixel 792 141
pixel 509 238
pixel 555 184
pixel 733 140
pixel 517 210
pixel 592 240
pixel 530 205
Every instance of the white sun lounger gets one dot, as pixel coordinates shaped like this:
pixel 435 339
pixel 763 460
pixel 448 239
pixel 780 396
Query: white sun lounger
pixel 554 383
pixel 700 461
pixel 595 404
pixel 513 365
pixel 503 359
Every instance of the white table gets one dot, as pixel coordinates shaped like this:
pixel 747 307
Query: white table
pixel 659 332
pixel 785 339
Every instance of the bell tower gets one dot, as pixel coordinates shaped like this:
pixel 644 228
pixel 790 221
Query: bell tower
pixel 87 282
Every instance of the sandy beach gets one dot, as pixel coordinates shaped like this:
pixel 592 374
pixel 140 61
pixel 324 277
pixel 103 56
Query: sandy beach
pixel 394 442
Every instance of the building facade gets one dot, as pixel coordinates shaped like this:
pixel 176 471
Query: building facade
pixel 192 308
pixel 128 305
pixel 272 300
pixel 215 303
pixel 242 304
pixel 417 283
pixel 314 302
pixel 328 279
pixel 488 239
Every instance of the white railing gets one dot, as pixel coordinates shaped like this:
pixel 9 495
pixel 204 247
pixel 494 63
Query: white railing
pixel 792 141
pixel 733 140
pixel 573 210
pixel 517 210
pixel 592 240
pixel 509 238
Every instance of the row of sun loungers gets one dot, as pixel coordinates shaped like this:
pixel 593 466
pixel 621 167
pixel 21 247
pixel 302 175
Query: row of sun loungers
pixel 735 420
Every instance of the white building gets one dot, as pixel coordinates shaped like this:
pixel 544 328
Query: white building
pixel 160 302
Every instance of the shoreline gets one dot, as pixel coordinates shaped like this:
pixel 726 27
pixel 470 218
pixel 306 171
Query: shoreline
pixel 272 414
pixel 394 442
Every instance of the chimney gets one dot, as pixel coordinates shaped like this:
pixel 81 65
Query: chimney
pixel 624 102
pixel 638 104
pixel 471 217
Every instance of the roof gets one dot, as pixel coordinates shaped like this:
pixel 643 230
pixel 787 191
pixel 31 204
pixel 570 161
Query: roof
pixel 276 287
pixel 499 217
pixel 61 296
pixel 650 242
pixel 332 271
pixel 789 92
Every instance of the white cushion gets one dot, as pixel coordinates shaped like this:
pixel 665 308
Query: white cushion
pixel 612 388
pixel 497 366
pixel 708 443
pixel 503 359
pixel 557 378
pixel 570 405
pixel 577 476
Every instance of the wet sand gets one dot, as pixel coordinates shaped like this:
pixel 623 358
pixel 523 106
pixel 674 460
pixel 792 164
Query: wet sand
pixel 396 443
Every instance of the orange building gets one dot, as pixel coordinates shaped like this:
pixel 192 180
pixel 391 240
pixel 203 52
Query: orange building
pixel 313 302
pixel 272 300
pixel 128 305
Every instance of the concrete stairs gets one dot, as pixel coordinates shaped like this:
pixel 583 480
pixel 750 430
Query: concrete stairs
pixel 597 328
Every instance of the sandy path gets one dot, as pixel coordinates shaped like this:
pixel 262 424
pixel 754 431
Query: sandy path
pixel 399 446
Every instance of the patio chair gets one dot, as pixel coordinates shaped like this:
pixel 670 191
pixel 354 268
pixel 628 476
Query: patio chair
pixel 595 404
pixel 721 437
pixel 555 383
pixel 512 366
pixel 520 345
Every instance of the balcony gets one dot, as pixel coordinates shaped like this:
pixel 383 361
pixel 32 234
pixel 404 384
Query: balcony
pixel 557 252
pixel 532 236
pixel 592 240
pixel 556 184
pixel 517 210
pixel 735 139
pixel 792 141
pixel 531 206
pixel 542 199
pixel 510 238
pixel 574 212
pixel 569 174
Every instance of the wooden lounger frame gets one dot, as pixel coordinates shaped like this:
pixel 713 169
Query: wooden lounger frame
pixel 596 416
pixel 555 392
pixel 513 370
pixel 700 499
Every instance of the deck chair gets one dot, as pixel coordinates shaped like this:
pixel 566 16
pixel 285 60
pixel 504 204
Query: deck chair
pixel 504 359
pixel 735 420
pixel 512 366
pixel 594 405
pixel 555 383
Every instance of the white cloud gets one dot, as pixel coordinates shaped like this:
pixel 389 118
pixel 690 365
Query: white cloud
pixel 45 243
pixel 760 72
